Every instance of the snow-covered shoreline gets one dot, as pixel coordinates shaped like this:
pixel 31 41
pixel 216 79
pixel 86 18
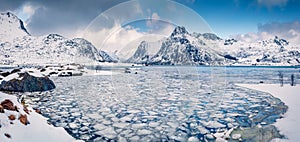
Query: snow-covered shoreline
pixel 37 130
pixel 288 126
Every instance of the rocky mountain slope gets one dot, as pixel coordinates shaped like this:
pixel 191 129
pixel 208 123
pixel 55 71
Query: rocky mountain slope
pixel 17 46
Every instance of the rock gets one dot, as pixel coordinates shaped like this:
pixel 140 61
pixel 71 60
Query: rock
pixel 9 105
pixel 15 70
pixel 1 109
pixel 12 117
pixel 5 74
pixel 43 69
pixel 25 109
pixel 23 119
pixel 127 70
pixel 52 73
pixel 65 74
pixel 28 83
pixel 7 135
pixel 38 111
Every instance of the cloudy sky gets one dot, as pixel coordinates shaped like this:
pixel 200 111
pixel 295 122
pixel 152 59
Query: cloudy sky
pixel 247 19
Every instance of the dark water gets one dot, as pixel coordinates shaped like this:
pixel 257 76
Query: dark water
pixel 162 103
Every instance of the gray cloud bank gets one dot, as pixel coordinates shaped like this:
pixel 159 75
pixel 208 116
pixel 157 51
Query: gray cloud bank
pixel 59 16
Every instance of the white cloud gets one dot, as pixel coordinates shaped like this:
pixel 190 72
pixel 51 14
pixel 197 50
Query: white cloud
pixel 26 11
pixel 124 40
pixel 272 3
pixel 253 37
pixel 288 30
pixel 152 20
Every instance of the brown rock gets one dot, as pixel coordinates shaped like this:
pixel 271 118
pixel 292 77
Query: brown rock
pixel 38 111
pixel 23 119
pixel 26 110
pixel 8 104
pixel 7 135
pixel 12 117
pixel 1 109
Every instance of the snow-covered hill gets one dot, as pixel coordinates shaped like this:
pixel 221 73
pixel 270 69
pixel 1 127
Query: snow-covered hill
pixel 183 48
pixel 18 47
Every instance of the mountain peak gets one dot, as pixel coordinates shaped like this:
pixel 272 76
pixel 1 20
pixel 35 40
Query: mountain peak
pixel 211 36
pixel 10 22
pixel 280 42
pixel 9 14
pixel 179 30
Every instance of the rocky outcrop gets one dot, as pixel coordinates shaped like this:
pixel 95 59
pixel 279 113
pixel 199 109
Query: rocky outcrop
pixel 27 83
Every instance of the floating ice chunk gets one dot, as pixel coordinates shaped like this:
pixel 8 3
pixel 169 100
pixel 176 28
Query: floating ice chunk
pixel 154 124
pixel 127 118
pixel 106 122
pixel 210 137
pixel 135 138
pixel 94 116
pixel 120 125
pixel 108 133
pixel 73 125
pixel 99 126
pixel 193 139
pixel 121 139
pixel 144 132
pixel 236 136
pixel 202 130
pixel 213 124
pixel 76 114
pixel 138 126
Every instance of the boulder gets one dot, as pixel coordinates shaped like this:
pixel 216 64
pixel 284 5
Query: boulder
pixel 5 74
pixel 23 119
pixel 11 117
pixel 27 83
pixel 8 105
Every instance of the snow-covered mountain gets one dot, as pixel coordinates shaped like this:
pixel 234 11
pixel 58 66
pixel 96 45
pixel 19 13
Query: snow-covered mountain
pixel 11 26
pixel 17 46
pixel 183 48
pixel 274 51
pixel 145 51
pixel 141 55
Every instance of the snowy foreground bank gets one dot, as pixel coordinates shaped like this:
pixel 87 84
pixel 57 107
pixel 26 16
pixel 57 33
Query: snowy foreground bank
pixel 35 130
pixel 288 125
